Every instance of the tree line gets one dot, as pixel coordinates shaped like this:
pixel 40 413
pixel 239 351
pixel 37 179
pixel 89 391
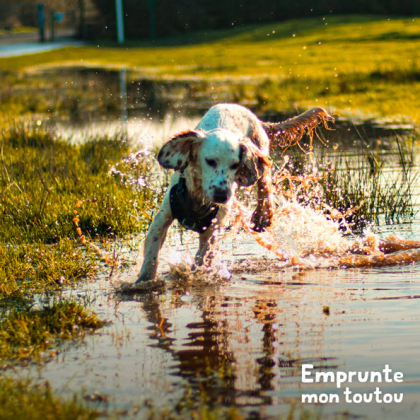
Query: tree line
pixel 165 17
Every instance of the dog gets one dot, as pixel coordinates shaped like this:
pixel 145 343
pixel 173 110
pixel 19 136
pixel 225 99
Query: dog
pixel 230 147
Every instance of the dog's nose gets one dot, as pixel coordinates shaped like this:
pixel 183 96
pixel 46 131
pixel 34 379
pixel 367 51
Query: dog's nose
pixel 220 195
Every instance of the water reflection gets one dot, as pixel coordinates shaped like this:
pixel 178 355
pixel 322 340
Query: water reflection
pixel 240 342
pixel 234 348
pixel 243 341
pixel 97 99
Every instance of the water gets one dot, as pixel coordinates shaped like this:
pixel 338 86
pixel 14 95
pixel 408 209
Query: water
pixel 244 334
pixel 137 128
pixel 261 325
pixel 86 101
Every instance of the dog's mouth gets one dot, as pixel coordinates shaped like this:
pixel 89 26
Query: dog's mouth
pixel 221 196
pixel 220 201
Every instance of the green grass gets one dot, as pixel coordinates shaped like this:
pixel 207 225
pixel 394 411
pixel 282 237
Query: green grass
pixel 26 269
pixel 45 181
pixel 374 191
pixel 17 30
pixel 30 334
pixel 52 194
pixel 20 400
pixel 45 95
pixel 354 64
pixel 357 185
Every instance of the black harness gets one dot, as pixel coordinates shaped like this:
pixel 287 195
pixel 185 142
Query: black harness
pixel 181 208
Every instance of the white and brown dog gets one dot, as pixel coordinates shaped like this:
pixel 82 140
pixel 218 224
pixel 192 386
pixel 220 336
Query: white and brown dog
pixel 230 147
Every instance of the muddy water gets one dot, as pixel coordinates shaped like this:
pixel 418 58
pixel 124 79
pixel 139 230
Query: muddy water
pixel 246 338
pixel 139 128
pixel 84 102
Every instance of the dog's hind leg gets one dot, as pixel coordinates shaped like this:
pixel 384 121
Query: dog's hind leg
pixel 263 215
pixel 154 241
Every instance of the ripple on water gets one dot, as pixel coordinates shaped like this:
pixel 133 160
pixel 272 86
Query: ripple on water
pixel 245 338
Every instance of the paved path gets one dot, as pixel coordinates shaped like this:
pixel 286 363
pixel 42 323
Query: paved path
pixel 28 43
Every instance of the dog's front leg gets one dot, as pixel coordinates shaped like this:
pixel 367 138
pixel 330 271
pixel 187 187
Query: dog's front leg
pixel 154 241
pixel 205 253
pixel 208 239
pixel 263 214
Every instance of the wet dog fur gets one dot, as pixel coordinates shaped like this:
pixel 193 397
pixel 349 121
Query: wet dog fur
pixel 230 147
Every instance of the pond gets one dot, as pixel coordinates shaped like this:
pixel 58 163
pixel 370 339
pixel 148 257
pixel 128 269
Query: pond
pixel 81 102
pixel 242 335
pixel 245 339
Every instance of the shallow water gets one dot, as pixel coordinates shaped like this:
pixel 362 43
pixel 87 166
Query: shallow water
pixel 244 338
pixel 85 102
pixel 260 326
pixel 137 128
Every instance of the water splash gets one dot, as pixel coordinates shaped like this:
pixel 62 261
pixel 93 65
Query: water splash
pixel 306 233
pixel 313 240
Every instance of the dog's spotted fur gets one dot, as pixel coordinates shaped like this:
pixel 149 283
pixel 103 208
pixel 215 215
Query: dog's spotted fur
pixel 229 147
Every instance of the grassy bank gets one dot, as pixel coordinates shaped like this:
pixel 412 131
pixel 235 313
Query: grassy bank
pixel 21 401
pixel 354 65
pixel 29 334
pixel 54 197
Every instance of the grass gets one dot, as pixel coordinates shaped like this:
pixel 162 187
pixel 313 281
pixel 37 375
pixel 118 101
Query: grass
pixel 17 30
pixel 46 95
pixel 27 269
pixel 373 190
pixel 53 194
pixel 30 333
pixel 20 400
pixel 357 185
pixel 56 196
pixel 351 64
pixel 44 183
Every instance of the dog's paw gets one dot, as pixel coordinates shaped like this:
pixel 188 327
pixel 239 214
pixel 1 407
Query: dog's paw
pixel 260 221
pixel 144 278
pixel 148 284
pixel 139 287
pixel 146 274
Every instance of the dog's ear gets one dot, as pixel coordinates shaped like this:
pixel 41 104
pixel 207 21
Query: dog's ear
pixel 180 150
pixel 252 163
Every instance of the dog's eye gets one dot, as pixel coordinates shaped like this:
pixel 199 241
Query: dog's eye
pixel 211 162
pixel 234 166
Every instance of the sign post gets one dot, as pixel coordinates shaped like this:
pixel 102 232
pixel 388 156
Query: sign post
pixel 52 36
pixel 41 22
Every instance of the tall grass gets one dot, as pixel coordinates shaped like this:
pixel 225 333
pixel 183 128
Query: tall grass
pixel 358 186
pixel 43 177
pixel 382 192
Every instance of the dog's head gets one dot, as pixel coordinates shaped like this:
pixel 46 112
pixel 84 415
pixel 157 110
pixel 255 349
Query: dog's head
pixel 220 156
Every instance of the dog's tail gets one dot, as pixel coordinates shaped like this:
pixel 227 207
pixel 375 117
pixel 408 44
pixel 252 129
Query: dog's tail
pixel 290 132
